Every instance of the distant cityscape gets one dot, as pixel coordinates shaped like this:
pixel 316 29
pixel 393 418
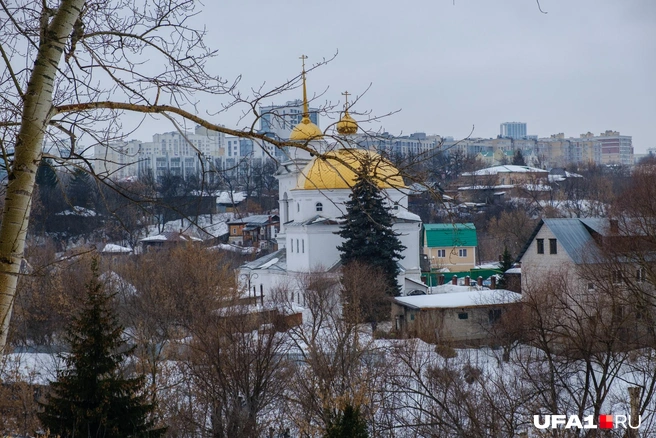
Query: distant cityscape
pixel 177 153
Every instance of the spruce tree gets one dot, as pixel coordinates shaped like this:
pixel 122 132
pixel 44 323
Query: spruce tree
pixel 92 397
pixel 506 263
pixel 518 158
pixel 347 424
pixel 367 229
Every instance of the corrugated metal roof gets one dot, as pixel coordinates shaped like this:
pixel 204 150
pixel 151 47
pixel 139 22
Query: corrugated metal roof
pixel 256 219
pixel 447 235
pixel 257 263
pixel 575 238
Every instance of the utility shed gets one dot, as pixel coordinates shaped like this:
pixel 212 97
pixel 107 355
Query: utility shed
pixel 461 318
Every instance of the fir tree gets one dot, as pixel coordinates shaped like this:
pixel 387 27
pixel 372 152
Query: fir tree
pixel 506 263
pixel 91 397
pixel 367 230
pixel 518 158
pixel 347 424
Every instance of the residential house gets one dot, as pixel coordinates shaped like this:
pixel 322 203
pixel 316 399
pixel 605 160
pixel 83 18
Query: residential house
pixel 461 316
pixel 492 183
pixel 597 259
pixel 167 240
pixel 257 230
pixel 450 246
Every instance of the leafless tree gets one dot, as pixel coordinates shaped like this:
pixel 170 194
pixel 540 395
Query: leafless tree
pixel 71 69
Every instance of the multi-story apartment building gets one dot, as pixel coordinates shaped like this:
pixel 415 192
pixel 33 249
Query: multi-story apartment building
pixel 117 160
pixel 606 148
pixel 413 144
pixel 278 121
pixel 178 153
pixel 516 130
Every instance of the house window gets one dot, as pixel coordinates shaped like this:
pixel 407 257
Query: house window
pixel 540 246
pixel 616 276
pixel 441 253
pixel 412 317
pixel 553 247
pixel 234 230
pixel 591 287
pixel 640 275
pixel 319 206
pixel 494 315
pixel 463 315
pixel 462 252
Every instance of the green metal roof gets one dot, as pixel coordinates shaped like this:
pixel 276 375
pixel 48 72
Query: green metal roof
pixel 447 235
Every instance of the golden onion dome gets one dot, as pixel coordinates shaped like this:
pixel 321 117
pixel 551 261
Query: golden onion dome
pixel 306 131
pixel 337 170
pixel 347 125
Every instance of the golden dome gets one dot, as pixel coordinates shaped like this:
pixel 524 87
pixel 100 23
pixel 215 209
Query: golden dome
pixel 347 125
pixel 331 171
pixel 306 130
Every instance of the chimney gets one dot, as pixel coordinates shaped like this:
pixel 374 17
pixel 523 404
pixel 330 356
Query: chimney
pixel 440 279
pixel 454 280
pixel 467 280
pixel 493 282
pixel 479 281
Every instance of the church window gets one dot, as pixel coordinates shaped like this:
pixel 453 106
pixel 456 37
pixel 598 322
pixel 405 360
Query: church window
pixel 292 246
pixel 298 207
pixel 319 206
pixel 303 246
pixel 296 245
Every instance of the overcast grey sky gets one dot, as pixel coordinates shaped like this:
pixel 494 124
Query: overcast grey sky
pixel 586 65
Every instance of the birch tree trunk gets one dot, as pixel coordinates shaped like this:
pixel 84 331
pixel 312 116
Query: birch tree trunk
pixel 37 112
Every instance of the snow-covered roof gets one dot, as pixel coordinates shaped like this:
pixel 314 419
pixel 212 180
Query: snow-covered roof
pixel 236 248
pixel 509 168
pixel 514 271
pixel 481 187
pixel 314 220
pixel 460 299
pixel 404 214
pixel 228 198
pixel 256 219
pixel 276 260
pixel 536 187
pixel 77 211
pixel 171 237
pixel 113 248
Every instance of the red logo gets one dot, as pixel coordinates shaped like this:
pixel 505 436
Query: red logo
pixel 605 422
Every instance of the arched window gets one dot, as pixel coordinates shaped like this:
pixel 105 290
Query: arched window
pixel 319 206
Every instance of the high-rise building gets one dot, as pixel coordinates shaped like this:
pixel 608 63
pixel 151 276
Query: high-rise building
pixel 516 130
pixel 117 160
pixel 178 153
pixel 279 120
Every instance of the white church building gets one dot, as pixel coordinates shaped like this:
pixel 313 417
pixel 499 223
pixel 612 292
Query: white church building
pixel 313 191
